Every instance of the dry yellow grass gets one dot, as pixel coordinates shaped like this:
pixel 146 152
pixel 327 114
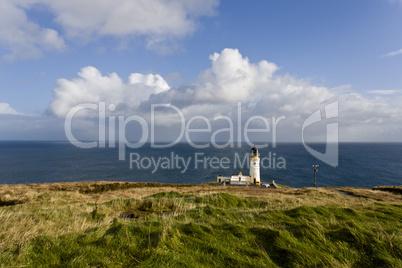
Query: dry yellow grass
pixel 58 208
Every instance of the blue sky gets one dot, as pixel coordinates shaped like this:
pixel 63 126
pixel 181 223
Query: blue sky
pixel 349 50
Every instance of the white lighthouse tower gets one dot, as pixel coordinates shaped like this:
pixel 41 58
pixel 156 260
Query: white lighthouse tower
pixel 254 166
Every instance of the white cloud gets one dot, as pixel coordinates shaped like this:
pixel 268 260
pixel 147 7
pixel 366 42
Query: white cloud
pixel 160 22
pixel 233 78
pixel 24 38
pixel 5 108
pixel 92 87
pixel 393 53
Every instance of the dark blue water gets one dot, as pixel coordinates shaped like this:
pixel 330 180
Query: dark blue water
pixel 360 164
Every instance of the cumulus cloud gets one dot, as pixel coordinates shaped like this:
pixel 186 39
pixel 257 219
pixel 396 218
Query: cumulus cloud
pixel 231 79
pixel 92 87
pixel 160 22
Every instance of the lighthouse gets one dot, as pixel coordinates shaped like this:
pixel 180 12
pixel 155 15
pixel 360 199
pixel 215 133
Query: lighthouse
pixel 240 179
pixel 254 166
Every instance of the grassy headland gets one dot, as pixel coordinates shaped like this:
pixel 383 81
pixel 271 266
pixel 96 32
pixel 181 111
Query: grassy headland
pixel 107 224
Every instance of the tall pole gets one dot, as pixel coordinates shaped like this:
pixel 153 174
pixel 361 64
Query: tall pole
pixel 315 172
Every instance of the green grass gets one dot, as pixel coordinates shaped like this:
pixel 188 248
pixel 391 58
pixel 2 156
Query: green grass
pixel 209 230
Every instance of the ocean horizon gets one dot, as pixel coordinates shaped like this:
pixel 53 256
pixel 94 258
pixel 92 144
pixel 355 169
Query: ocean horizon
pixel 360 164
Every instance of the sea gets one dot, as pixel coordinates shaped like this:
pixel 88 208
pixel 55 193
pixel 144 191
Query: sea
pixel 359 164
